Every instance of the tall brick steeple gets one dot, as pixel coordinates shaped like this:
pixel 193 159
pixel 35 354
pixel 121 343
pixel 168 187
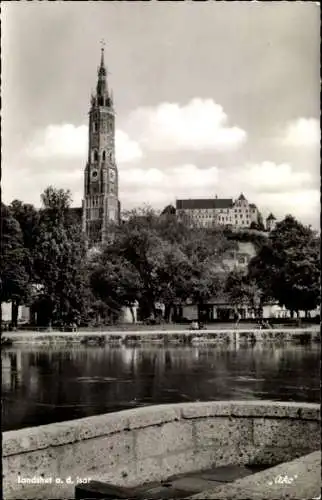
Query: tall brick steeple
pixel 100 205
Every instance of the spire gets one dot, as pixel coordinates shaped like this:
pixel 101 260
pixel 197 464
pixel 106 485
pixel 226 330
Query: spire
pixel 102 69
pixel 101 87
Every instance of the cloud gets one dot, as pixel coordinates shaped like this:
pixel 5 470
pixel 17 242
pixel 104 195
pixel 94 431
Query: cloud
pixel 126 150
pixel 199 125
pixel 59 141
pixel 161 186
pixel 269 176
pixel 67 141
pixel 302 132
pixel 303 204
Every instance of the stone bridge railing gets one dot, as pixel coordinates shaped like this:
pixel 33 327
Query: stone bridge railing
pixel 153 443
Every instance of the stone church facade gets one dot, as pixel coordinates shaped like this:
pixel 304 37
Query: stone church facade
pixel 101 205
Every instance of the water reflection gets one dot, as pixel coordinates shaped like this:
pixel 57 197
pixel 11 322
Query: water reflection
pixel 41 385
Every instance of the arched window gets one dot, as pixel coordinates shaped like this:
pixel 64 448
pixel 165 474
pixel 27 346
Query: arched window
pixel 95 155
pixel 104 156
pixel 94 126
pixel 107 102
pixel 101 101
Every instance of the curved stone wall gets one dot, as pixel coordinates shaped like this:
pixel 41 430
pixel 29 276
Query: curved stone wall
pixel 153 443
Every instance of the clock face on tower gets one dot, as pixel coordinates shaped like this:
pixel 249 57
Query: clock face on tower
pixel 94 175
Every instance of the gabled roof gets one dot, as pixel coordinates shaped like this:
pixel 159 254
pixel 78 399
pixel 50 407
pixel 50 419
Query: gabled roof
pixel 271 217
pixel 205 203
pixel 242 197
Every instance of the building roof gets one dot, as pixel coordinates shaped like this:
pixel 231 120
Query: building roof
pixel 204 203
pixel 271 217
pixel 252 205
pixel 242 197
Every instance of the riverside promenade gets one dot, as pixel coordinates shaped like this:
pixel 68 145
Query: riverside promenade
pixel 162 335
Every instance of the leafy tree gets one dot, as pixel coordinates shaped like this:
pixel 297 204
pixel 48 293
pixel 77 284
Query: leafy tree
pixel 242 291
pixel 163 260
pixel 28 218
pixel 287 268
pixel 115 283
pixel 60 260
pixel 14 277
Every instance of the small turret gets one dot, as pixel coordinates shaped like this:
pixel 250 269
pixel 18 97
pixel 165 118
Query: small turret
pixel 270 222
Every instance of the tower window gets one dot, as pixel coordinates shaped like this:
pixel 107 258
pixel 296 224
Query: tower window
pixel 100 101
pixel 95 155
pixel 94 127
pixel 104 156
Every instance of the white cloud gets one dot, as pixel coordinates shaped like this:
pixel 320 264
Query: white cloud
pixel 268 176
pixel 303 204
pixel 158 187
pixel 68 141
pixel 302 132
pixel 126 150
pixel 199 125
pixel 59 141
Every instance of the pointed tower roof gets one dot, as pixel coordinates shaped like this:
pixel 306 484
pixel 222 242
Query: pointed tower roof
pixel 101 87
pixel 102 69
pixel 271 217
pixel 242 197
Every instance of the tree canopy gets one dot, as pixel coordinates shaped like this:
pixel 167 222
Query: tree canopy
pixel 158 259
pixel 287 268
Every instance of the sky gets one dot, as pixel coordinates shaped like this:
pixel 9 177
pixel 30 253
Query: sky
pixel 211 98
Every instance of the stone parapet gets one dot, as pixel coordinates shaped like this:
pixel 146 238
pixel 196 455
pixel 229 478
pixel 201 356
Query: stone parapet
pixel 131 447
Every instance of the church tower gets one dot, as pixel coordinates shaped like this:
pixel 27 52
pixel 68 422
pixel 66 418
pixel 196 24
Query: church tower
pixel 100 205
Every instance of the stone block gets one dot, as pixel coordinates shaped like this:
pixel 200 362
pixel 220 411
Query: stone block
pixel 179 463
pixel 61 433
pixel 207 409
pixel 36 464
pixel 150 469
pixel 163 440
pixel 223 432
pixel 287 433
pixel 149 416
pixel 271 455
pixel 95 456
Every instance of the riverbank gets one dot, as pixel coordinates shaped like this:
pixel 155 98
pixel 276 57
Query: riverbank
pixel 189 337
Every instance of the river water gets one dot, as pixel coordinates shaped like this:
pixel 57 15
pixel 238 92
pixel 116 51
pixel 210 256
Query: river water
pixel 41 385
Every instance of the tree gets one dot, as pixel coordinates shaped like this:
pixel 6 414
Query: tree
pixel 14 277
pixel 60 260
pixel 287 268
pixel 28 219
pixel 115 283
pixel 159 260
pixel 242 290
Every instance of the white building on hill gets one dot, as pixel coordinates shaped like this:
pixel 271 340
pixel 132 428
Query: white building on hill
pixel 210 212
